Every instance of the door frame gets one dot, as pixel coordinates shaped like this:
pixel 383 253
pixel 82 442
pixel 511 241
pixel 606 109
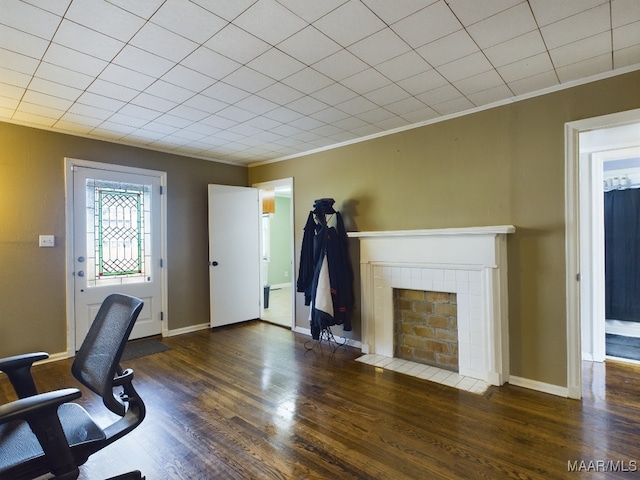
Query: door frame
pixel 69 164
pixel 287 183
pixel 584 275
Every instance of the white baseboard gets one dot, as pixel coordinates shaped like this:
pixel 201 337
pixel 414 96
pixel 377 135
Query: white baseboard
pixel 539 386
pixel 349 341
pixel 190 329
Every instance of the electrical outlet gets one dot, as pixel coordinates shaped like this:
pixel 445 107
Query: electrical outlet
pixel 47 241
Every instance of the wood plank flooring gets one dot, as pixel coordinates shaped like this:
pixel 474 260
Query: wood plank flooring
pixel 249 402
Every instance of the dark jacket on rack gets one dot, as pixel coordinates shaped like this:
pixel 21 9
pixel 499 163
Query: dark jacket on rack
pixel 327 284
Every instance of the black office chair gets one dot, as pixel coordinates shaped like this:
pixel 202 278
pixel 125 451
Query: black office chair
pixel 42 433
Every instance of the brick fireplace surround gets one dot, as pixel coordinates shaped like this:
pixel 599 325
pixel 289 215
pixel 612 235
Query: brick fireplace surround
pixel 470 262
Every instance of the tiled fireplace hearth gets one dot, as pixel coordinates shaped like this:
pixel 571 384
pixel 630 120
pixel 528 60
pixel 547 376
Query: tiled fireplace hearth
pixel 470 262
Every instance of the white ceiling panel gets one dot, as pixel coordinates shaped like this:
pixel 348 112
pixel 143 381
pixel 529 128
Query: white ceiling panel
pixel 252 80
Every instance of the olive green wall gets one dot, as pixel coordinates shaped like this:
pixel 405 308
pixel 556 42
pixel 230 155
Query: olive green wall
pixel 499 166
pixel 32 202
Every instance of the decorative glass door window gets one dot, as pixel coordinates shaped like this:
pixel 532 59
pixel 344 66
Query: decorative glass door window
pixel 118 233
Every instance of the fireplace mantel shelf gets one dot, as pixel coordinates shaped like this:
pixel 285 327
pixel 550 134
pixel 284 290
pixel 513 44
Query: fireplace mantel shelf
pixel 488 230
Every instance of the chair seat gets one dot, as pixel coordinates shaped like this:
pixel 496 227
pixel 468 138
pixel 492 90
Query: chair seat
pixel 19 444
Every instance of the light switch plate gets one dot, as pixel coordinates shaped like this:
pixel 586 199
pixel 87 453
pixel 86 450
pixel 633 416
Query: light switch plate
pixel 47 241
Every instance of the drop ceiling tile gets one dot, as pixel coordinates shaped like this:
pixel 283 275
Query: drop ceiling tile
pixel 139 112
pixel 12 77
pixel 584 68
pixel 349 23
pixel 547 12
pixel 391 12
pixel 447 49
pixel 87 41
pixel 270 21
pixel 366 130
pixel 219 122
pixel 405 106
pixel 286 130
pixel 210 63
pixel 356 106
pixel 80 119
pixel 64 76
pixel 526 67
pixel 153 103
pixel 263 123
pixel 340 65
pixel 626 36
pixel 419 116
pixel 163 43
pixel 577 27
pixel 504 26
pixel 8 104
pixel 112 90
pixel 188 20
pixel 491 95
pixel 234 113
pixel 89 110
pixel 423 82
pixel 143 62
pixel 228 10
pixel 403 66
pixel 40 118
pixel 105 104
pixel 309 45
pixel 626 56
pixel 54 6
pixel 366 81
pixel 122 119
pixel 465 67
pixel 188 78
pixel 624 12
pixel 473 12
pixel 105 17
pixel 376 115
pixel 248 79
pixel 205 103
pixel 189 113
pixel 536 82
pixel 256 104
pixel 527 45
pixel 72 127
pixel 22 43
pixel 456 105
pixel 388 94
pixel 379 47
pixel 581 50
pixel 330 115
pixel 172 121
pixel 235 43
pixel 307 105
pixel 311 10
pixel 74 60
pixel 478 83
pixel 276 64
pixel 225 93
pixel 350 123
pixel 144 9
pixel 43 99
pixel 308 81
pixel 168 91
pixel 280 93
pixel 18 62
pixel 389 124
pixel 29 19
pixel 334 93
pixel 53 88
pixel 308 123
pixel 438 95
pixel 429 24
pixel 283 115
pixel 123 76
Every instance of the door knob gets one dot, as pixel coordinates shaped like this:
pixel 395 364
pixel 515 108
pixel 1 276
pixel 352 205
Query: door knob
pixel 214 264
pixel 81 273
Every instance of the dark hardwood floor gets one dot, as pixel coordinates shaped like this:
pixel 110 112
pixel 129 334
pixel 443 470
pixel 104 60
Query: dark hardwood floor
pixel 248 402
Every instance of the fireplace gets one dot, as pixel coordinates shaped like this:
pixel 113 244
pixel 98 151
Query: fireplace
pixel 468 262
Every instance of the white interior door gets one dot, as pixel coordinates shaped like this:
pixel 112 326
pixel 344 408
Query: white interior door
pixel 117 245
pixel 234 254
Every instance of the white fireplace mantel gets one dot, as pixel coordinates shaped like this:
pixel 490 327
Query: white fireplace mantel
pixel 471 262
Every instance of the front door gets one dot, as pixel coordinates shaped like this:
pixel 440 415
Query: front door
pixel 234 254
pixel 116 245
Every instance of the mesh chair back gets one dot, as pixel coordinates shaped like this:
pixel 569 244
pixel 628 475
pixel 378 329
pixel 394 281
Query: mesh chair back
pixel 98 359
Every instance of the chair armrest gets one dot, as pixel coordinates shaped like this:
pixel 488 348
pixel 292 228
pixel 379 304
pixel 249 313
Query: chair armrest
pixel 18 369
pixel 41 413
pixel 26 408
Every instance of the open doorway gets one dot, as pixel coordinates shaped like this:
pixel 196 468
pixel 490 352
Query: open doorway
pixel 589 144
pixel 276 269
